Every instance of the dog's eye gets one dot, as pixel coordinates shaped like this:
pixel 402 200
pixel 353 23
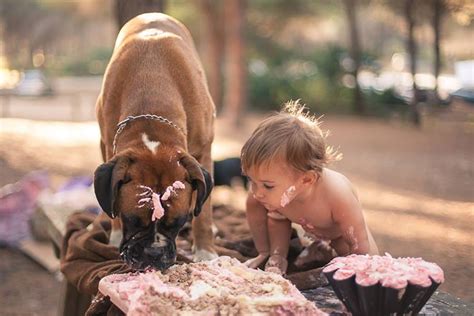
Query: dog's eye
pixel 126 179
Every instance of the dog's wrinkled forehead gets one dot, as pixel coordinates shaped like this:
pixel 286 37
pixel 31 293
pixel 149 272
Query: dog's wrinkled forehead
pixel 158 190
pixel 144 184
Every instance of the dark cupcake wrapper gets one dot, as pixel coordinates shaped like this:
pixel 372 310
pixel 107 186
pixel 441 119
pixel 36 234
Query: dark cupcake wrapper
pixel 346 292
pixel 379 300
pixel 434 286
pixel 391 300
pixel 416 297
pixel 368 296
pixel 330 277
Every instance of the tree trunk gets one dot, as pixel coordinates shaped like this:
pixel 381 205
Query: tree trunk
pixel 351 13
pixel 411 48
pixel 213 50
pixel 128 9
pixel 236 71
pixel 437 16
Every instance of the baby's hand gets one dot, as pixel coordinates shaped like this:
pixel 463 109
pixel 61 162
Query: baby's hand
pixel 276 264
pixel 258 260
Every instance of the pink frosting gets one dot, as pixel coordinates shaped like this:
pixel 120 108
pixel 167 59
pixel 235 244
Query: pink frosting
pixel 343 273
pixel 177 185
pixel 390 272
pixel 394 282
pixel 422 280
pixel 366 279
pixel 158 210
pixel 333 266
pixel 148 195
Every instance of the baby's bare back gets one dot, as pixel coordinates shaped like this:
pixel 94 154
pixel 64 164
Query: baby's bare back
pixel 332 212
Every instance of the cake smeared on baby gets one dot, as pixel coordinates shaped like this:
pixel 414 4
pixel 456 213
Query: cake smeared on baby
pixel 285 160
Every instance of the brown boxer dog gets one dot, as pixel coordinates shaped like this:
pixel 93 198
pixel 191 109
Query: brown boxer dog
pixel 156 120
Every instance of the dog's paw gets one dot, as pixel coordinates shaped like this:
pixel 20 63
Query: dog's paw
pixel 203 255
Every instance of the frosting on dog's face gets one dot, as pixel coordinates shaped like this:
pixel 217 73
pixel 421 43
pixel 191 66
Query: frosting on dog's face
pixel 154 194
pixel 154 205
pixel 154 200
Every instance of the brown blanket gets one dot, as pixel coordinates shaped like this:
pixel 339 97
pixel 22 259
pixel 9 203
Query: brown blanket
pixel 86 255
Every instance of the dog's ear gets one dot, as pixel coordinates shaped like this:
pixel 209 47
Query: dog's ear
pixel 108 178
pixel 201 181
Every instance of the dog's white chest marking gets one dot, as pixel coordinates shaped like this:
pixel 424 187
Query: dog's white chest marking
pixel 150 144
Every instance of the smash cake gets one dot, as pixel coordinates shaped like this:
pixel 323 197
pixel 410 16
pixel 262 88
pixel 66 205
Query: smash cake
pixel 222 286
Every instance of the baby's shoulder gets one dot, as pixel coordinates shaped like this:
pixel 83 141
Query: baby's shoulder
pixel 336 184
pixel 341 195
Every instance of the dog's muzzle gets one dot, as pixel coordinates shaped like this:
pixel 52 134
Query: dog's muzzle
pixel 155 251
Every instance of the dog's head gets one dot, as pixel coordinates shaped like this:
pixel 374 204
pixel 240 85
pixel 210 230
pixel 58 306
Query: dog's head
pixel 153 195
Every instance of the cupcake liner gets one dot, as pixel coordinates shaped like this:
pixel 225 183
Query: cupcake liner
pixel 414 293
pixel 391 300
pixel 373 290
pixel 421 296
pixel 346 292
pixel 329 276
pixel 369 298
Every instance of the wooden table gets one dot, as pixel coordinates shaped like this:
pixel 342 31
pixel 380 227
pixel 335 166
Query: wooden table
pixel 72 303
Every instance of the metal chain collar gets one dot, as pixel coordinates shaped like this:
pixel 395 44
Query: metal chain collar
pixel 121 125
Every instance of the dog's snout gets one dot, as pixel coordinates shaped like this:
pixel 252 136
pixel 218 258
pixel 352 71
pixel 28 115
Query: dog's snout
pixel 160 241
pixel 157 251
pixel 154 252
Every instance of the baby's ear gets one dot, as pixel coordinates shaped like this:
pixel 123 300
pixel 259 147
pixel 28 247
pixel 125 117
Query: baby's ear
pixel 310 177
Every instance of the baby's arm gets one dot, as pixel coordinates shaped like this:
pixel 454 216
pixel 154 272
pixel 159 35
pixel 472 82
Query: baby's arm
pixel 257 220
pixel 348 215
pixel 279 231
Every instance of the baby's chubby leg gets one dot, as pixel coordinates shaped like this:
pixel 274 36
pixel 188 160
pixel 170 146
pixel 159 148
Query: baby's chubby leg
pixel 257 220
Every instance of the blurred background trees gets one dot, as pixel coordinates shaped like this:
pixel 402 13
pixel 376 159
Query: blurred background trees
pixel 126 9
pixel 368 57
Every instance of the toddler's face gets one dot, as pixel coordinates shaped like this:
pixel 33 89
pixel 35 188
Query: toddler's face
pixel 275 184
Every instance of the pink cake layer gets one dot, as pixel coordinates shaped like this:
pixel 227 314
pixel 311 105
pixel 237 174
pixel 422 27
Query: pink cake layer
pixel 221 286
pixel 389 271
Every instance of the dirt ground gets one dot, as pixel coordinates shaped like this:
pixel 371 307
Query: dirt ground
pixel 416 186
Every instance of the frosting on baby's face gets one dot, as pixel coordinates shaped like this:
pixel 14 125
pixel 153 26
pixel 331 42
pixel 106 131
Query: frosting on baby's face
pixel 275 184
pixel 287 196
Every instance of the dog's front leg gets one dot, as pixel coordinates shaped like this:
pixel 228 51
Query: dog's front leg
pixel 203 247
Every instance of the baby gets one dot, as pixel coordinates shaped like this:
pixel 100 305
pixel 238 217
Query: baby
pixel 285 161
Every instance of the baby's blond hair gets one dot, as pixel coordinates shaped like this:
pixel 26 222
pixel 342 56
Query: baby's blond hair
pixel 293 135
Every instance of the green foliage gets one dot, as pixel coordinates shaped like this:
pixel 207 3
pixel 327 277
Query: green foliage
pixel 385 103
pixel 315 79
pixel 93 63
